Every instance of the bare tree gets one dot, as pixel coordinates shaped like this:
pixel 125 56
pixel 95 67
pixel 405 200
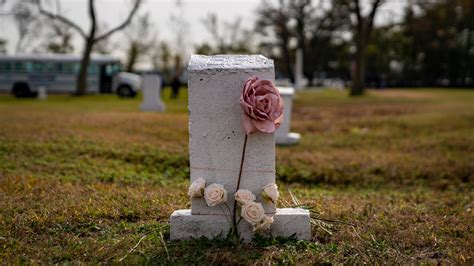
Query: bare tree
pixel 28 24
pixel 3 46
pixel 362 30
pixel 274 22
pixel 90 39
pixel 59 39
pixel 160 58
pixel 180 28
pixel 316 27
pixel 140 38
pixel 104 46
pixel 229 38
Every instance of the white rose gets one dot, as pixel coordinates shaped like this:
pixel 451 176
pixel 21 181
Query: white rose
pixel 252 212
pixel 215 194
pixel 270 192
pixel 196 189
pixel 264 224
pixel 243 196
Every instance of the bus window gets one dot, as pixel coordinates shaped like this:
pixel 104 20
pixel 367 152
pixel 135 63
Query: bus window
pixel 67 68
pixel 48 67
pixel 112 69
pixel 92 69
pixel 58 67
pixel 20 67
pixel 109 70
pixel 5 66
pixel 117 68
pixel 75 68
pixel 29 66
pixel 37 67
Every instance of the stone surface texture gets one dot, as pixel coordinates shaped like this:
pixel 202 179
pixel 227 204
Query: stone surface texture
pixel 283 135
pixel 151 87
pixel 287 221
pixel 216 136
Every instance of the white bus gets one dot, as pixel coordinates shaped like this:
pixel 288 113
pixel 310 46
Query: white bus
pixel 22 75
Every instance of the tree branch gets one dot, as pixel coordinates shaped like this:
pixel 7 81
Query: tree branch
pixel 93 19
pixel 375 5
pixel 370 22
pixel 123 25
pixel 357 11
pixel 61 19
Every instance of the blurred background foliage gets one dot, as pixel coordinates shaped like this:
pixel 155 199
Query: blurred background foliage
pixel 431 45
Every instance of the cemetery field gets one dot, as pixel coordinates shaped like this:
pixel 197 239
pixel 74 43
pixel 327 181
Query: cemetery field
pixel 390 176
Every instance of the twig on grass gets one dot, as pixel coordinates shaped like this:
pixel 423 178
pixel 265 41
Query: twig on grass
pixel 134 247
pixel 164 245
pixel 323 223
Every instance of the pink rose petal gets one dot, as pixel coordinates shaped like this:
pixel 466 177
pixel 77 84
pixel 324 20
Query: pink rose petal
pixel 264 125
pixel 248 125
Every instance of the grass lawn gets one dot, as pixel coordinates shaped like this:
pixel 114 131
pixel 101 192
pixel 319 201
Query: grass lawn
pixel 92 179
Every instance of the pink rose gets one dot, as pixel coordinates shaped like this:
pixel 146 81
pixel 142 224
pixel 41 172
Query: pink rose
pixel 263 106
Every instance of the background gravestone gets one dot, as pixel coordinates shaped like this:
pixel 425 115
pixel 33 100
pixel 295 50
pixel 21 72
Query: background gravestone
pixel 42 93
pixel 299 74
pixel 283 136
pixel 216 141
pixel 151 87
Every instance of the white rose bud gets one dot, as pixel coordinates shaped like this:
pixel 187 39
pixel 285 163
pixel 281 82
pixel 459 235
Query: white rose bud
pixel 264 224
pixel 215 194
pixel 270 192
pixel 243 196
pixel 252 212
pixel 196 189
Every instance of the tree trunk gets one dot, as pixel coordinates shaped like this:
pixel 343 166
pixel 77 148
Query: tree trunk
pixel 358 77
pixel 310 77
pixel 133 52
pixel 81 83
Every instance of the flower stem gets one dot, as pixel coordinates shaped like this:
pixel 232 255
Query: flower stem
pixel 238 184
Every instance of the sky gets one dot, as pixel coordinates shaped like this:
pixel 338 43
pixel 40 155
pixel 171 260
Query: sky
pixel 112 12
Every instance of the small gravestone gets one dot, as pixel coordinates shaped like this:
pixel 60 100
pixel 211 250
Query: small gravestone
pixel 42 93
pixel 299 74
pixel 283 136
pixel 151 87
pixel 215 149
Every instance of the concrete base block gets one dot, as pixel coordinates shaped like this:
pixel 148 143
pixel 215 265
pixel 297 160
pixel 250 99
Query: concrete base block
pixel 290 139
pixel 287 221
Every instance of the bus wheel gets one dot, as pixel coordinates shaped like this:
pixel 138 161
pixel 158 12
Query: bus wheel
pixel 22 90
pixel 125 91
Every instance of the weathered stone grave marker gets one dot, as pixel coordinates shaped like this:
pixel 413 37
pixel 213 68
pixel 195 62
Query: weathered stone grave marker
pixel 42 93
pixel 300 82
pixel 215 147
pixel 283 136
pixel 151 87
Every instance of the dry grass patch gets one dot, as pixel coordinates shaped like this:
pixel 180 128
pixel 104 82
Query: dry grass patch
pixel 92 180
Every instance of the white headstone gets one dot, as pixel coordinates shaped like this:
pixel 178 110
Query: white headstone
pixel 299 75
pixel 216 141
pixel 216 136
pixel 151 87
pixel 42 93
pixel 283 136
